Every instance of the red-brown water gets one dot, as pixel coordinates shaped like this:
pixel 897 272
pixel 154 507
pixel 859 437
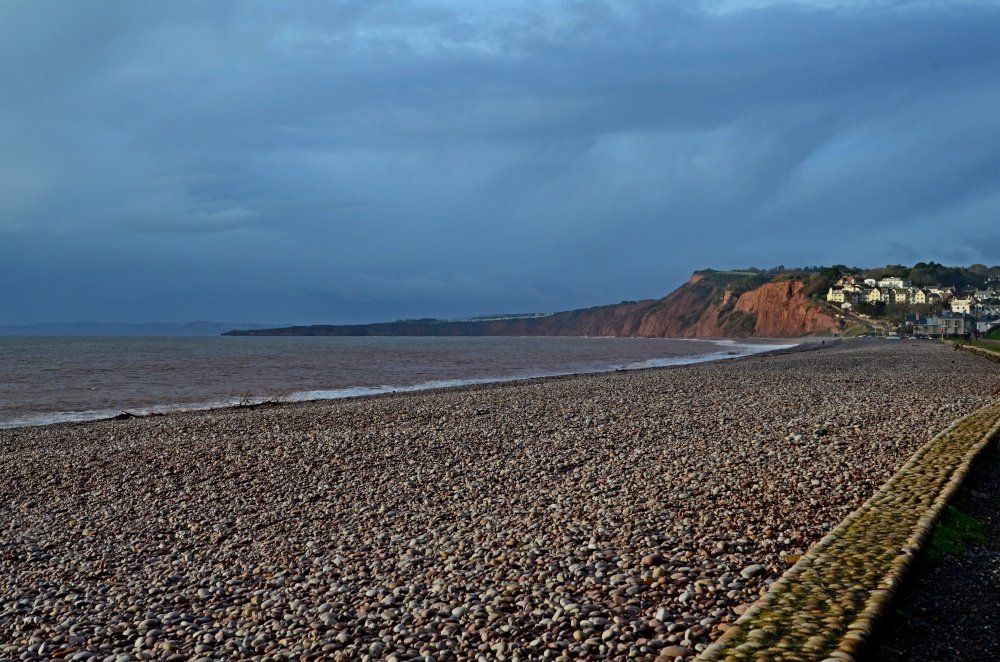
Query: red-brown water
pixel 52 379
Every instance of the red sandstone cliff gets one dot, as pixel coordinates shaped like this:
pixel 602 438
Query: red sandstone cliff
pixel 709 305
pixel 781 311
pixel 705 309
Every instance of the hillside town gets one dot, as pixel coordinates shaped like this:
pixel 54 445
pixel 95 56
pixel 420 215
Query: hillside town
pixel 933 311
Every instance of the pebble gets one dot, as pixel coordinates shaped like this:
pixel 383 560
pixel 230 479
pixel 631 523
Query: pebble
pixel 454 524
pixel 828 607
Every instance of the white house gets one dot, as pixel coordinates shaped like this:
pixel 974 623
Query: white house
pixel 945 324
pixel 964 306
pixel 943 292
pixel 894 282
pixel 848 294
pixel 985 326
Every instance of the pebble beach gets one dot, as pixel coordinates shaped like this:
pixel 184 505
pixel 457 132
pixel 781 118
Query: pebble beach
pixel 628 515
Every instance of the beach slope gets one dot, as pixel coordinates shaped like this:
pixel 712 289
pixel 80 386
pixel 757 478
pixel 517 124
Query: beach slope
pixel 612 516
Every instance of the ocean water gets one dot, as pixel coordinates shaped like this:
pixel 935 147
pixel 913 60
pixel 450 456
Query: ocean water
pixel 71 378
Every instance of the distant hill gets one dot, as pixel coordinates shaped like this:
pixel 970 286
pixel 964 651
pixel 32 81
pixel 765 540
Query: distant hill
pixel 712 304
pixel 123 329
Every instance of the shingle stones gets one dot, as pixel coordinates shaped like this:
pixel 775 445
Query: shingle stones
pixel 605 517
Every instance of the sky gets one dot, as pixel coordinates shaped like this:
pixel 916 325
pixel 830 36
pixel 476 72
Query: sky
pixel 356 161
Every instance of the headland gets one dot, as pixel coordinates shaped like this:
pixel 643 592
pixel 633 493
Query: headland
pixel 927 300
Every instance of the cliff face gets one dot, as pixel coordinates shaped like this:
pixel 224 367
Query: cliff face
pixel 781 311
pixel 707 306
pixel 705 309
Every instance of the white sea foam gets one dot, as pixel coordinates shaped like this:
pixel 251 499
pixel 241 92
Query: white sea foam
pixel 732 349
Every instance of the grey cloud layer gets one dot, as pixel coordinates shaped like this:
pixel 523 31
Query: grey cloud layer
pixel 314 162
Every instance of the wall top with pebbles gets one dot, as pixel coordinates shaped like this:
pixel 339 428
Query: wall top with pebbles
pixel 827 605
pixel 985 353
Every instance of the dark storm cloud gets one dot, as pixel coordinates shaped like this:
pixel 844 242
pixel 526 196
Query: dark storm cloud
pixel 365 160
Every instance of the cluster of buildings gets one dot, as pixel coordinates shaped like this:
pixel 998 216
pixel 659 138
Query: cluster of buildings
pixel 967 313
pixel 854 290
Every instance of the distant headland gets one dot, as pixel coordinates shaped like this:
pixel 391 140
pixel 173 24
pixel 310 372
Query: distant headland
pixel 746 303
pixel 199 328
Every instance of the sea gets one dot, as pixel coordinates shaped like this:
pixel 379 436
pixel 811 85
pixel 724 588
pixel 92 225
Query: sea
pixel 47 379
